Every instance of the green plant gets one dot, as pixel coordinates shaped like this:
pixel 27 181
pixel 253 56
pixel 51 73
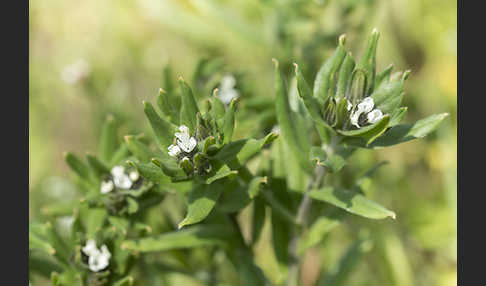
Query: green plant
pixel 118 228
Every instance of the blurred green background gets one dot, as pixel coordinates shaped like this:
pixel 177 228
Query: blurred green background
pixel 91 58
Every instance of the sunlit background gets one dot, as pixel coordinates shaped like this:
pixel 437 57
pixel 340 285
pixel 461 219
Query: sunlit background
pixel 92 58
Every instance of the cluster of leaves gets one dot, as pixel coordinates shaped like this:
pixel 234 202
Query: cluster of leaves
pixel 211 172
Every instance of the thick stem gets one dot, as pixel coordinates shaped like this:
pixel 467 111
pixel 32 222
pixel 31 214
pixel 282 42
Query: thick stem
pixel 304 207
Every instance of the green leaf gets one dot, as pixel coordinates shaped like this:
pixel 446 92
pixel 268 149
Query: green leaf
pixel 258 219
pixel 311 103
pixel 327 74
pixel 352 202
pixel 132 205
pixel 316 232
pixel 151 172
pixel 370 132
pixel 368 61
pixel 345 74
pixel 126 281
pixel 239 152
pixel 286 121
pixel 120 155
pixel 333 162
pixel 229 122
pixel 93 220
pixel 164 104
pixel 189 107
pixel 119 224
pixel 164 130
pixel 191 237
pixel 139 149
pixel 222 172
pixel 98 167
pixel 201 201
pixel 255 186
pixel 388 96
pixel 406 132
pixel 217 107
pixel 383 76
pixel 347 264
pixel 397 115
pixel 108 139
pixel 78 166
pixel 40 243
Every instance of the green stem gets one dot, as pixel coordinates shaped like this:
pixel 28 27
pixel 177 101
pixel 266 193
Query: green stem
pixel 304 207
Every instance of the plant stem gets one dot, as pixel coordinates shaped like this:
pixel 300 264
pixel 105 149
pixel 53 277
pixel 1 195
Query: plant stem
pixel 304 207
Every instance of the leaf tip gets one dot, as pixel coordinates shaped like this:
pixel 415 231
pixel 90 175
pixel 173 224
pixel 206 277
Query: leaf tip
pixel 342 39
pixel 275 62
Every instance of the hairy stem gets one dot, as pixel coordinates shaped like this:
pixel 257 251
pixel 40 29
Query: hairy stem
pixel 304 207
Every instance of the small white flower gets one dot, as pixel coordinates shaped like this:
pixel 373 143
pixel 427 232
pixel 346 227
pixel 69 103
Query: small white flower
pixel 75 72
pixel 349 105
pixel 374 116
pixel 107 186
pixel 120 179
pixel 174 150
pixel 90 248
pixel 134 176
pixel 364 106
pixel 185 142
pixel 97 259
pixel 226 89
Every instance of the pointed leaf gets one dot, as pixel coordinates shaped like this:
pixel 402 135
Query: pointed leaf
pixel 229 122
pixel 164 130
pixel 108 139
pixel 191 237
pixel 368 133
pixel 368 61
pixel 201 201
pixel 351 202
pixel 345 74
pixel 406 132
pixel 189 108
pixel 327 74
pixel 139 149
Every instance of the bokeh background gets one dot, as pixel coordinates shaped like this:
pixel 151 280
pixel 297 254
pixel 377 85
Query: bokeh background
pixel 92 58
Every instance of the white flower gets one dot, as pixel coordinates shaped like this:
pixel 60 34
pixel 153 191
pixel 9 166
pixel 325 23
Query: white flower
pixel 185 142
pixel 174 150
pixel 134 176
pixel 364 106
pixel 75 72
pixel 90 248
pixel 226 89
pixel 107 186
pixel 97 259
pixel 374 116
pixel 349 105
pixel 121 180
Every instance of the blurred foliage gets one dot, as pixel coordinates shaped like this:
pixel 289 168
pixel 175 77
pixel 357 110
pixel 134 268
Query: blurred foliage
pixel 93 58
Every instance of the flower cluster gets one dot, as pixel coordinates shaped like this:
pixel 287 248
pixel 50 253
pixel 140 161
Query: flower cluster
pixel 364 113
pixel 119 179
pixel 184 144
pixel 98 259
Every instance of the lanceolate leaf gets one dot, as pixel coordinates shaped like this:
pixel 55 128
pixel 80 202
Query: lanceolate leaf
pixel 406 132
pixel 351 202
pixel 78 166
pixel 345 76
pixel 151 172
pixel 316 232
pixel 370 132
pixel 164 130
pixel 229 122
pixel 98 167
pixel 286 120
pixel 139 149
pixel 191 237
pixel 368 61
pixel 189 107
pixel 108 139
pixel 311 103
pixel 383 76
pixel 239 152
pixel 327 73
pixel 201 201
